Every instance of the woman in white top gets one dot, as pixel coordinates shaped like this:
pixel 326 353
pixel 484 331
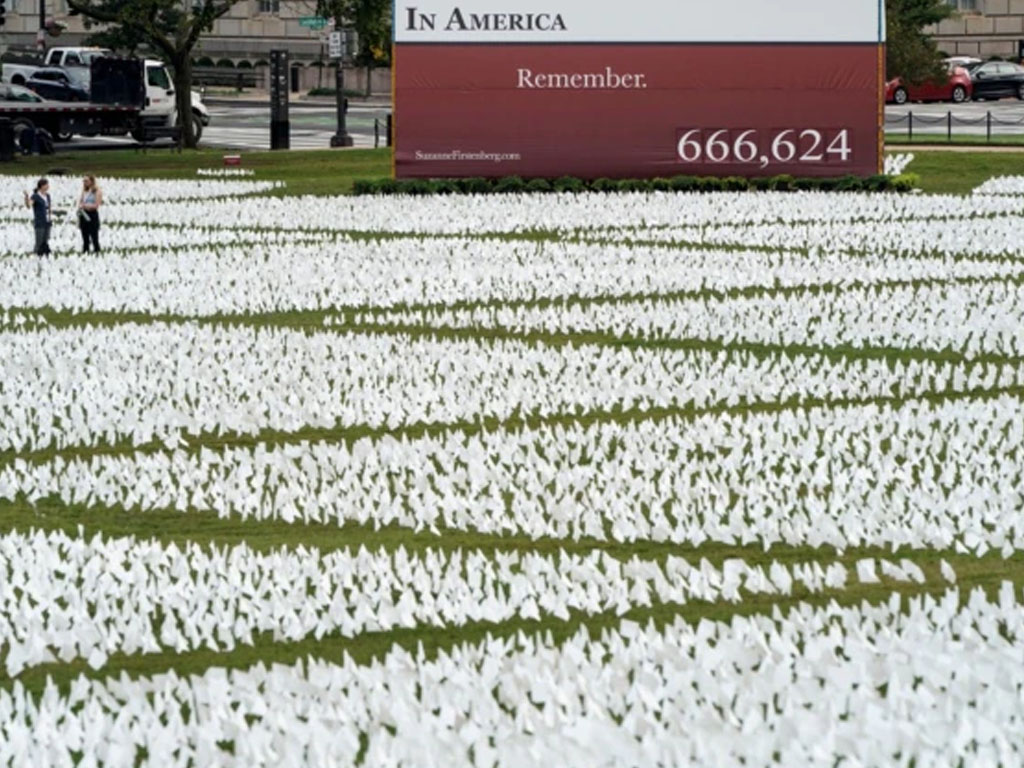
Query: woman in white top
pixel 89 213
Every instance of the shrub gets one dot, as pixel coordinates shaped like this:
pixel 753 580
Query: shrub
pixel 604 185
pixel 683 183
pixel 569 184
pixel 781 183
pixel 877 183
pixel 445 187
pixel 474 186
pixel 509 185
pixel 905 182
pixel 226 63
pixel 710 184
pixel 735 184
pixel 632 185
pixel 538 185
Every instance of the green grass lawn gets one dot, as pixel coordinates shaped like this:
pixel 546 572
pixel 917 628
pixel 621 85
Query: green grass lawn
pixel 331 172
pixel 314 172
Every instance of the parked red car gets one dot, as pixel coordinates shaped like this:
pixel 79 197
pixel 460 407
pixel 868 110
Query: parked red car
pixel 958 88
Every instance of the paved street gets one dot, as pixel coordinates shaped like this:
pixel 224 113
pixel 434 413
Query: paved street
pixel 247 126
pixel 970 118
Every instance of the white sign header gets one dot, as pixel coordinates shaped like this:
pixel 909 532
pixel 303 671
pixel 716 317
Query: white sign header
pixel 639 21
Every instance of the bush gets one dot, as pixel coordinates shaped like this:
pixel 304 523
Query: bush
pixel 633 185
pixel 735 184
pixel 683 183
pixel 204 61
pixel 710 184
pixel 782 183
pixel 569 184
pixel 661 185
pixel 416 187
pixel 226 63
pixel 849 184
pixel 445 187
pixel 538 185
pixel 474 186
pixel 509 185
pixel 905 182
pixel 604 185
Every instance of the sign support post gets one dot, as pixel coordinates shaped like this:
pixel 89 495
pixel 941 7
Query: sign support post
pixel 339 43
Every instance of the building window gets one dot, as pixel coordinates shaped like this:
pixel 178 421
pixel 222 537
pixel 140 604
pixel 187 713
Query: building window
pixel 964 5
pixel 270 6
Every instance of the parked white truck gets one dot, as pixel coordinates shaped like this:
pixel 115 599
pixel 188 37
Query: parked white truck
pixel 160 108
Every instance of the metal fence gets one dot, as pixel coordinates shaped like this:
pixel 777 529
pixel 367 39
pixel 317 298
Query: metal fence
pixel 948 121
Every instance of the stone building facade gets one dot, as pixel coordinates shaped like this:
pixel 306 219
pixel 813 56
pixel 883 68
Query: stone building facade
pixel 246 34
pixel 983 28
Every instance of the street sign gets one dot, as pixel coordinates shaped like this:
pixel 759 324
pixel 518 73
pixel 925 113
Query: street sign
pixel 312 22
pixel 335 48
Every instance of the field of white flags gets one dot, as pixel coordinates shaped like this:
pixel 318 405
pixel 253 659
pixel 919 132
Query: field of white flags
pixel 567 480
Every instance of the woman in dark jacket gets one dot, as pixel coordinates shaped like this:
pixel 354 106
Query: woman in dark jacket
pixel 42 214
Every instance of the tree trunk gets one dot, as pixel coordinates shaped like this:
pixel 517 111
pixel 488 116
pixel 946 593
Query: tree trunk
pixel 369 73
pixel 182 66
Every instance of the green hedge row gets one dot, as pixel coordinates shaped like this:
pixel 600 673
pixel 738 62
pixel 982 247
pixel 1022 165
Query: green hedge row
pixel 514 184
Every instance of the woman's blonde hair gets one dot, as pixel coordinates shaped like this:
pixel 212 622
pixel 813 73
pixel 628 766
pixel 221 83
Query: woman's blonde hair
pixel 93 186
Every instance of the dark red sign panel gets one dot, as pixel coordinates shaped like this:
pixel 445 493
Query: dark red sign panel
pixel 637 110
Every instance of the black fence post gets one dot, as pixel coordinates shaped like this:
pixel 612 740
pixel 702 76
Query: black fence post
pixel 376 132
pixel 391 128
pixel 949 126
pixel 988 127
pixel 910 125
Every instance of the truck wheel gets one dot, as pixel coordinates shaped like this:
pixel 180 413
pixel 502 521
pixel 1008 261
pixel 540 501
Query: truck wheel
pixel 197 127
pixel 137 134
pixel 17 80
pixel 23 129
pixel 63 131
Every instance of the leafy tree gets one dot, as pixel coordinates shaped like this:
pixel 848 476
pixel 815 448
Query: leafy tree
pixel 171 28
pixel 371 19
pixel 910 52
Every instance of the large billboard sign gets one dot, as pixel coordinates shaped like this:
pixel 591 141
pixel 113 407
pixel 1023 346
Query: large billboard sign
pixel 639 89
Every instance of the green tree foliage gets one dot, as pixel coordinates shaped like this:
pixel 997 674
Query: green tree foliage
pixel 371 20
pixel 170 28
pixel 910 53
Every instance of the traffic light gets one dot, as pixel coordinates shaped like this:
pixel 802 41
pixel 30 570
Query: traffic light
pixel 3 10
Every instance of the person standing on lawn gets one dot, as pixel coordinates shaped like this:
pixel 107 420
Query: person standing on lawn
pixel 42 214
pixel 89 213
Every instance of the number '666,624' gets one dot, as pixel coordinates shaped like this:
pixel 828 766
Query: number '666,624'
pixel 791 145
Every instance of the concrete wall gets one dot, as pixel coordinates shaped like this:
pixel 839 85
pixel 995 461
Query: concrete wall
pixel 995 29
